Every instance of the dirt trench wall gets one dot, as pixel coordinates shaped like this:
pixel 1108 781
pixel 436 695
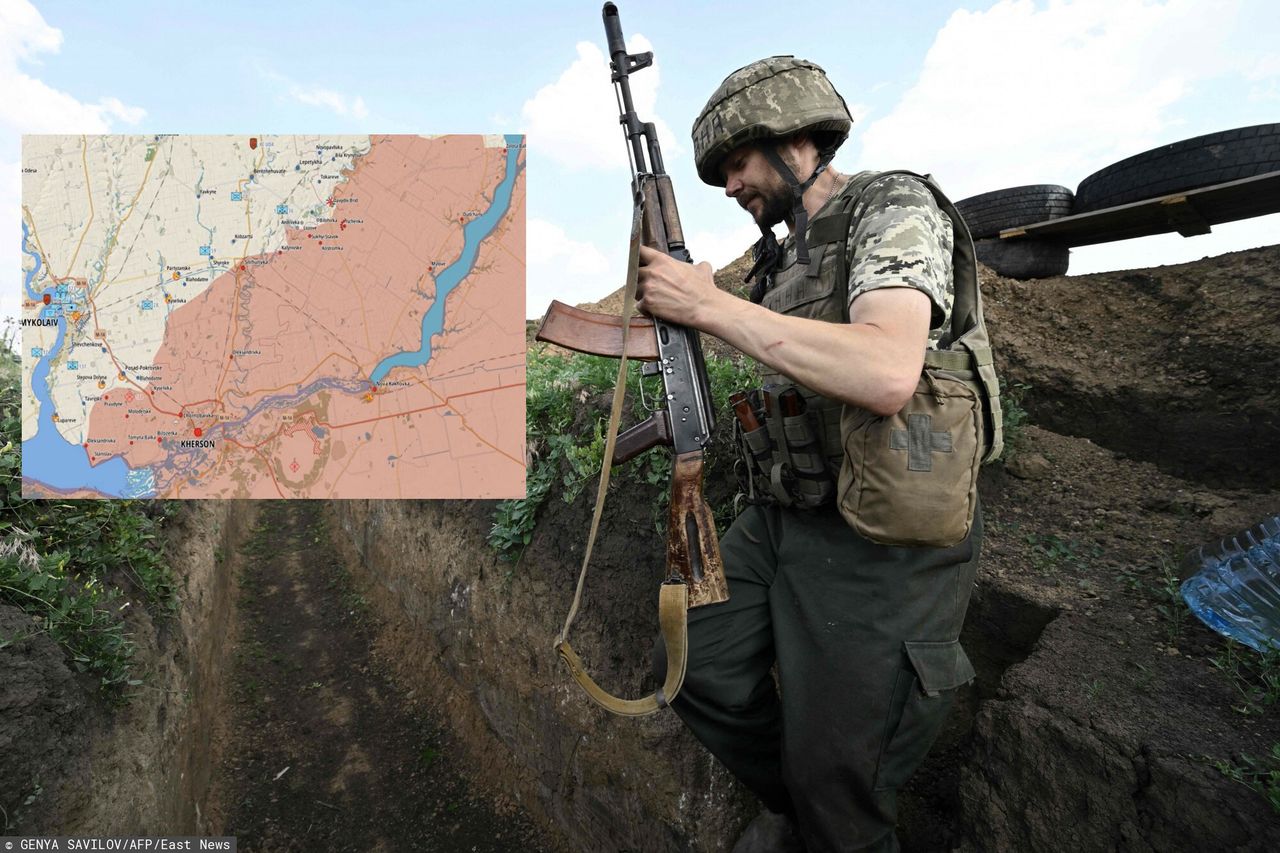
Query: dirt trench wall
pixel 1173 365
pixel 1103 766
pixel 1109 735
pixel 69 763
pixel 476 635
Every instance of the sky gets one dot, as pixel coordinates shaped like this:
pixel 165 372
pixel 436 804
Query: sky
pixel 981 95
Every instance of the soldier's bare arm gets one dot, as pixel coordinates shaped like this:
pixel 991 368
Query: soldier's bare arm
pixel 874 361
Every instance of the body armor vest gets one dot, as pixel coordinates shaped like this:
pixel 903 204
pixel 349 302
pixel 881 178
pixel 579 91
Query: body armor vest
pixel 797 460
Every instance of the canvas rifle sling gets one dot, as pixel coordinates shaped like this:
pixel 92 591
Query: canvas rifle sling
pixel 673 597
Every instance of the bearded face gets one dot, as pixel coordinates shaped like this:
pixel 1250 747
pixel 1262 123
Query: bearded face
pixel 752 181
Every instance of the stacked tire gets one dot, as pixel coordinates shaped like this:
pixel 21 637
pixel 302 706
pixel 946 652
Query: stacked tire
pixel 1201 161
pixel 1214 158
pixel 990 213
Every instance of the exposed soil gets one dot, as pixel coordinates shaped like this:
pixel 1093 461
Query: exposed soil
pixel 45 714
pixel 1107 735
pixel 1173 365
pixel 75 759
pixel 1098 717
pixel 321 749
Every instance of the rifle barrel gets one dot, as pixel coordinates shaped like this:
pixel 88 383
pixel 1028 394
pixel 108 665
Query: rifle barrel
pixel 621 63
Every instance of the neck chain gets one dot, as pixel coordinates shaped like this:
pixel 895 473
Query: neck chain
pixel 837 181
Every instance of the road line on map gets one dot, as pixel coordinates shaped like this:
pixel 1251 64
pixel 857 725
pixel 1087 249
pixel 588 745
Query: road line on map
pixel 468 426
pixel 306 315
pixel 350 459
pixel 88 188
pixel 299 383
pixel 424 408
pixel 458 371
pixel 364 316
pixel 132 205
pixel 272 472
pixel 395 442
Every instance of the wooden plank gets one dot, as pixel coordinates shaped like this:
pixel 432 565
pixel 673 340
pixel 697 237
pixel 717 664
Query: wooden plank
pixel 1189 213
pixel 1183 216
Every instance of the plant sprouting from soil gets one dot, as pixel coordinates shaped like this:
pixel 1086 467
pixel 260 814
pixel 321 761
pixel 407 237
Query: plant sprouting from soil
pixel 1051 554
pixel 1254 677
pixel 1262 775
pixel 1169 603
pixel 1015 418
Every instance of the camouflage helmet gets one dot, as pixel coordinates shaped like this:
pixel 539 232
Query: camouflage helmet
pixel 773 97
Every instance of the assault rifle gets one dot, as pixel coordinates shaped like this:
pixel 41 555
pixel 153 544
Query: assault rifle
pixel 672 351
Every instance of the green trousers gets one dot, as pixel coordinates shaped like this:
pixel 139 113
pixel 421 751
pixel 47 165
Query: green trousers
pixel 866 641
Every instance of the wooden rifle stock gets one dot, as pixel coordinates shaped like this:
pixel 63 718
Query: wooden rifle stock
pixel 692 547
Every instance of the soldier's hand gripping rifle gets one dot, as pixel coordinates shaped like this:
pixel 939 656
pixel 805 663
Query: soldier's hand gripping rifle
pixel 695 576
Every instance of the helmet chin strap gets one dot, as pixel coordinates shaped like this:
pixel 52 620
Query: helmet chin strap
pixel 766 250
pixel 798 213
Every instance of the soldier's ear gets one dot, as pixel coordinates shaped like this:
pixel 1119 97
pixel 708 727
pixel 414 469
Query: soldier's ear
pixel 797 148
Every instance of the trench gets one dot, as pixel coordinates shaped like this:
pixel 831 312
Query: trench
pixel 334 638
pixel 626 784
pixel 319 747
pixel 1000 631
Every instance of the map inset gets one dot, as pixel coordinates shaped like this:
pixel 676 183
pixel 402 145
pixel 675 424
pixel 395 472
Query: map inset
pixel 273 316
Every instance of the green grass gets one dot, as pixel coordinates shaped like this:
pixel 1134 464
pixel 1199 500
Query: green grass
pixel 428 755
pixel 1052 554
pixel 1014 419
pixel 1169 603
pixel 567 412
pixel 1260 775
pixel 1254 677
pixel 75 567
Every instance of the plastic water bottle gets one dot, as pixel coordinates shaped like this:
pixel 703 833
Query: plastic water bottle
pixel 1237 590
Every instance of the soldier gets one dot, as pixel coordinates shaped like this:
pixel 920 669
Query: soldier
pixel 852 574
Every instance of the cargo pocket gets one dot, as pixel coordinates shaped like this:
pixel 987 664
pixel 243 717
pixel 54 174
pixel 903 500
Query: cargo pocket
pixel 922 694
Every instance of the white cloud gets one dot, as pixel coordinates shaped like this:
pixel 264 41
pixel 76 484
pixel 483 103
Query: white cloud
pixel 719 248
pixel 574 120
pixel 10 191
pixel 124 112
pixel 317 96
pixel 577 271
pixel 31 106
pixel 572 271
pixel 1265 79
pixel 335 101
pixel 1019 94
pixel 24 33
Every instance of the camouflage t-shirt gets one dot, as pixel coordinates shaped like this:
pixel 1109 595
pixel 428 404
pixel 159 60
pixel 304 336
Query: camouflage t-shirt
pixel 900 239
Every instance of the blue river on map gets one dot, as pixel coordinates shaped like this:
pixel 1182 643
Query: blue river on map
pixel 48 457
pixel 473 233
